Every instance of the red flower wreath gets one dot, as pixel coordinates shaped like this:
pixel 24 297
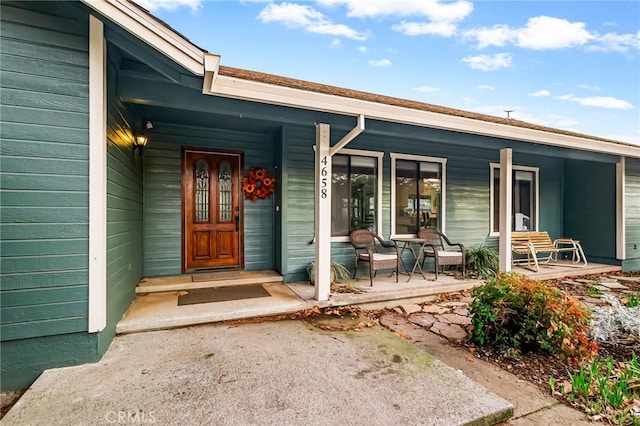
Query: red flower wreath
pixel 257 184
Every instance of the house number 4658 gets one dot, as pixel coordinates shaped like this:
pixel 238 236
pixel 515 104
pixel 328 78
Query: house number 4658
pixel 323 177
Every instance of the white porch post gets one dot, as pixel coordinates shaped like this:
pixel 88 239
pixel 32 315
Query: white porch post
pixel 620 210
pixel 323 213
pixel 506 195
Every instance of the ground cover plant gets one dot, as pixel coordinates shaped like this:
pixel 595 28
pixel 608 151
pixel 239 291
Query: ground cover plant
pixel 603 382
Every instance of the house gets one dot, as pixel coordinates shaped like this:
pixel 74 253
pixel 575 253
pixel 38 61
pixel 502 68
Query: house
pixel 87 212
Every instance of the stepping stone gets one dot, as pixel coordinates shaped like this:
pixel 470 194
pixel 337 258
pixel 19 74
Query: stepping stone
pixel 452 304
pixel 462 311
pixel 435 309
pixel 411 309
pixel 613 285
pixel 583 281
pixel 452 332
pixel 467 300
pixel 569 282
pixel 454 319
pixel 628 279
pixel 423 319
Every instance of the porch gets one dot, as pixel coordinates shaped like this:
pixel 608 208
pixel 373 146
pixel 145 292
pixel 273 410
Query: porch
pixel 155 306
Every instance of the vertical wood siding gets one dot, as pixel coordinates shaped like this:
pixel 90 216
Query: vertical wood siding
pixel 44 176
pixel 632 215
pixel 162 198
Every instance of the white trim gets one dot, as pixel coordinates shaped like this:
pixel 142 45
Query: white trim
pixel 97 177
pixel 621 230
pixel 443 188
pixel 492 168
pixel 237 88
pixel 379 182
pixel 506 198
pixel 147 28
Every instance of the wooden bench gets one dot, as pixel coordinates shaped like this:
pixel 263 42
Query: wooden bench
pixel 538 247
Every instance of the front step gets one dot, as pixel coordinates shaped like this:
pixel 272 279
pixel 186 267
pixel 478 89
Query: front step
pixel 214 279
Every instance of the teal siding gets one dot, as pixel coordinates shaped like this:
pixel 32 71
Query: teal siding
pixel 44 189
pixel 162 198
pixel 24 360
pixel 590 208
pixel 44 132
pixel 467 192
pixel 124 210
pixel 632 215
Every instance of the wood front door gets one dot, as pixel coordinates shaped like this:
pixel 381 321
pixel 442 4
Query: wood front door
pixel 211 210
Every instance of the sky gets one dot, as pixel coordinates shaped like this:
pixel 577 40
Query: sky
pixel 572 65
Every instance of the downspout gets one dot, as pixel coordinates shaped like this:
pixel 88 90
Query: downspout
pixel 322 214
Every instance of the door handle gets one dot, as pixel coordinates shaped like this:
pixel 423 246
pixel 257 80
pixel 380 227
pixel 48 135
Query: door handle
pixel 237 222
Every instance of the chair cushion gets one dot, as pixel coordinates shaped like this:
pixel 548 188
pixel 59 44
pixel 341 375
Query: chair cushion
pixel 450 254
pixel 378 257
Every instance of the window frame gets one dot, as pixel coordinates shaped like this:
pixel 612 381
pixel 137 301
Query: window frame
pixel 493 167
pixel 443 188
pixel 379 180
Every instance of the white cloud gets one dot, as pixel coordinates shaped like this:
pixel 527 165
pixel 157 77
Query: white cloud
pixel 612 42
pixel 544 32
pixel 427 89
pixel 485 87
pixel 598 101
pixel 539 33
pixel 335 43
pixel 154 5
pixel 432 9
pixel 444 29
pixel 382 63
pixel 589 87
pixel 540 93
pixel 298 16
pixel 489 62
pixel 363 49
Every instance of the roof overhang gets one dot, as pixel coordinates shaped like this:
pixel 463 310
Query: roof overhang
pixel 144 26
pixel 161 37
pixel 232 87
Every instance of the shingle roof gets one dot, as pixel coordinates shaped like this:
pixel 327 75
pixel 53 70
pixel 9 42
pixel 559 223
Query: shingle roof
pixel 389 100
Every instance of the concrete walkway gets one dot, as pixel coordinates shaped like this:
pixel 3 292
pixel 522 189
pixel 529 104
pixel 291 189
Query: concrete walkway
pixel 269 373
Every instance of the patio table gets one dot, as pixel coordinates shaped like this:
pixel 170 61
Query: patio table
pixel 409 243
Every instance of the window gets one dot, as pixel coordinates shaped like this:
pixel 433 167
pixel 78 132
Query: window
pixel 524 207
pixel 356 192
pixel 417 193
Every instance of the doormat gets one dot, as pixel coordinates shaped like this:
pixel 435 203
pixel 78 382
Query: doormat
pixel 216 276
pixel 223 294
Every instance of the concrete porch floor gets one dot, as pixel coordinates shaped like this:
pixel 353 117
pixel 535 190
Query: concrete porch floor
pixel 156 305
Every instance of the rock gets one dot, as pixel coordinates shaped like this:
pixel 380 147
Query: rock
pixel 467 300
pixel 462 311
pixel 454 319
pixel 434 309
pixel 613 285
pixel 627 279
pixel 423 319
pixel 410 309
pixel 452 332
pixel 452 304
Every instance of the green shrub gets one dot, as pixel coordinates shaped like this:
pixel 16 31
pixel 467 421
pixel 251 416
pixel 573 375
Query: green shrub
pixel 482 261
pixel 517 315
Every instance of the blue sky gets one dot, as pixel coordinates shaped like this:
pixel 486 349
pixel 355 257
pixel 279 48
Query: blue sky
pixel 571 65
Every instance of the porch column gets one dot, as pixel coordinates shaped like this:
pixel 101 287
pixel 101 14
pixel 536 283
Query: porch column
pixel 323 213
pixel 620 210
pixel 506 195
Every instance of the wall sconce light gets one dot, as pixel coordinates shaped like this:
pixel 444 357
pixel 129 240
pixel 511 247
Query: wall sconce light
pixel 140 141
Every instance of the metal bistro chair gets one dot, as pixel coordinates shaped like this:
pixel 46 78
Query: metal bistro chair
pixel 434 246
pixel 364 243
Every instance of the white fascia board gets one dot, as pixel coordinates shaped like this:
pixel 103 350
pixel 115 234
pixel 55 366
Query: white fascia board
pixel 142 25
pixel 279 95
